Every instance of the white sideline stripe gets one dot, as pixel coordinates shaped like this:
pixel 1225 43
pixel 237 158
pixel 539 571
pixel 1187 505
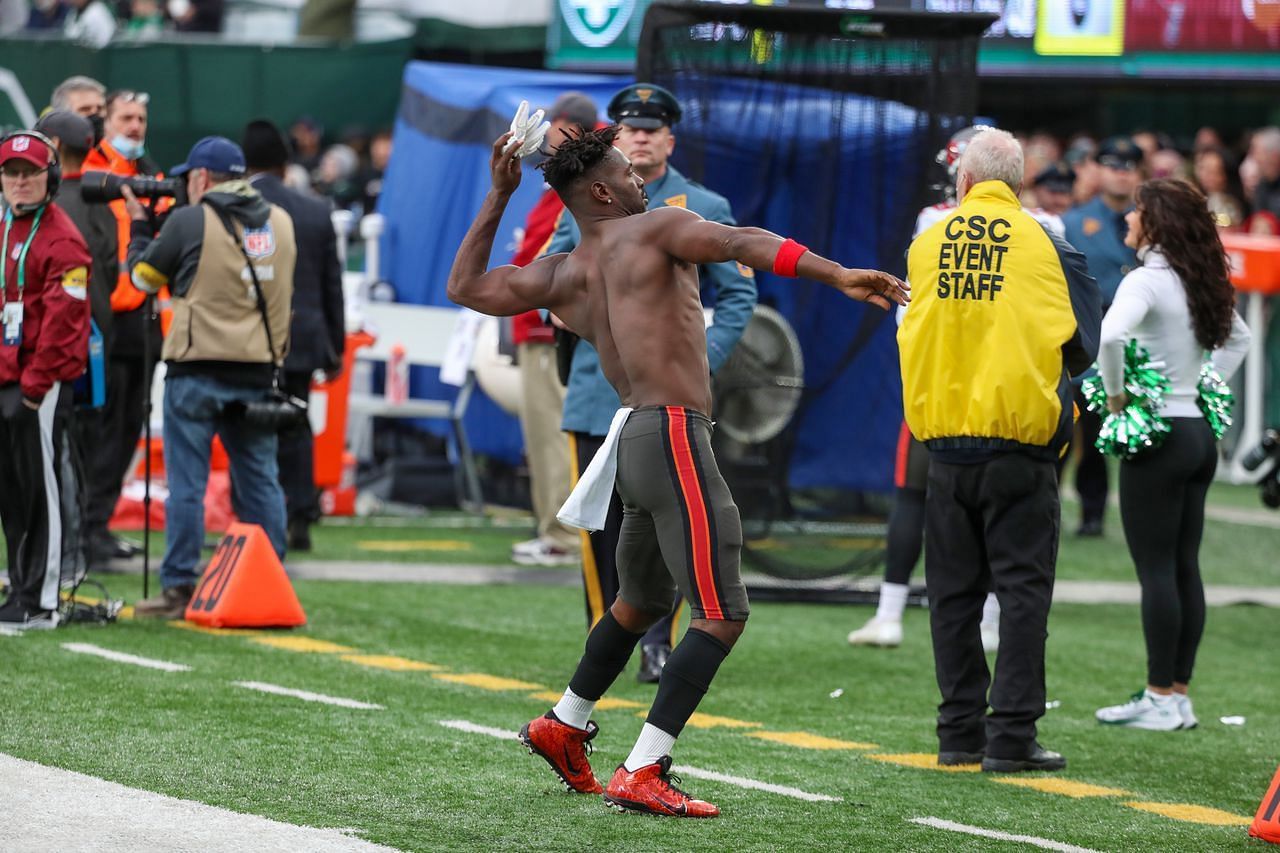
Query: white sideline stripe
pixel 58 809
pixel 1043 843
pixel 475 729
pixel 742 782
pixel 124 657
pixel 307 695
pixel 692 772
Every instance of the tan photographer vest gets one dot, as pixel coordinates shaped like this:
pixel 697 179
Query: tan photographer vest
pixel 217 319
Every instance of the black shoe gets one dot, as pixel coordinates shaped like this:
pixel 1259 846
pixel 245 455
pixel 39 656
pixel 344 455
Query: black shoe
pixel 653 658
pixel 1091 527
pixel 956 758
pixel 1039 759
pixel 299 534
pixel 104 548
pixel 14 615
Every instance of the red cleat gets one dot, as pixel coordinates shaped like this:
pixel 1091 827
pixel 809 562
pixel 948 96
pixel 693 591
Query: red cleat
pixel 565 749
pixel 649 790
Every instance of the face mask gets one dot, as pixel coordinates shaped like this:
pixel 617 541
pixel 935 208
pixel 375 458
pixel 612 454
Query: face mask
pixel 98 127
pixel 128 149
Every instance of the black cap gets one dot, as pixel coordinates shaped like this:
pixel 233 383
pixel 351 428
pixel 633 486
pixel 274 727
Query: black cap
pixel 1058 177
pixel 72 130
pixel 1080 150
pixel 1119 152
pixel 575 107
pixel 264 145
pixel 646 106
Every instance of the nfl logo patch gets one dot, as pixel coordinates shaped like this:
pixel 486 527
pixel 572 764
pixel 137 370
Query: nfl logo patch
pixel 259 242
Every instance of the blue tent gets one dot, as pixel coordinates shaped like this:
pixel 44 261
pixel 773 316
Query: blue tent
pixel 848 423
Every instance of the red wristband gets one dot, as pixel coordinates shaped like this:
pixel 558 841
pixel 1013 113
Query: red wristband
pixel 788 256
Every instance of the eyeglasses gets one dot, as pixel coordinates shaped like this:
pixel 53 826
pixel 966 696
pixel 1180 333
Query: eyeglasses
pixel 17 172
pixel 139 98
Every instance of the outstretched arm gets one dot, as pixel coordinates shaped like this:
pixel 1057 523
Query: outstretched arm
pixel 687 236
pixel 505 290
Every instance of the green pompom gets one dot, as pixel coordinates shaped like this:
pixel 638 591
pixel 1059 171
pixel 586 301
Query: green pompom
pixel 1215 400
pixel 1139 427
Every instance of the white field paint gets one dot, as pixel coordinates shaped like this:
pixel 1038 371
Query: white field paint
pixel 1043 843
pixel 51 809
pixel 307 696
pixel 742 782
pixel 123 657
pixel 691 772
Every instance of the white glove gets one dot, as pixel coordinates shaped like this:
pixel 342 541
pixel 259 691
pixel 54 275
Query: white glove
pixel 531 128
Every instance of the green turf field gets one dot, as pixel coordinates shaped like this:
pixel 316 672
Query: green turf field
pixel 403 780
pixel 481 655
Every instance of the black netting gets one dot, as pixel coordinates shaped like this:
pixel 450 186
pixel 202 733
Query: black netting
pixel 822 126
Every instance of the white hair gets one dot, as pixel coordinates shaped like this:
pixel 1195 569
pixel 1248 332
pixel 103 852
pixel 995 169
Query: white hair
pixel 1268 139
pixel 993 155
pixel 79 83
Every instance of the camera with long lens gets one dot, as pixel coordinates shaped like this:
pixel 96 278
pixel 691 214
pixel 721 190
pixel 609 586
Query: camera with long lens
pixel 102 187
pixel 1268 448
pixel 278 411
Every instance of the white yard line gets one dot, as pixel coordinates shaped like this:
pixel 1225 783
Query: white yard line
pixel 55 810
pixel 741 782
pixel 307 696
pixel 465 726
pixel 124 657
pixel 1043 843
pixel 691 772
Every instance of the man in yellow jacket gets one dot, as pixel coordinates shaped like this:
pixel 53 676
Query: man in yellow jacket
pixel 1003 313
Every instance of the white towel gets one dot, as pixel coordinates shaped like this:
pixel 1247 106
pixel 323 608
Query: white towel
pixel 588 503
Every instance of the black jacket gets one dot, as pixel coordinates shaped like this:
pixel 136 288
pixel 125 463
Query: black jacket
pixel 98 227
pixel 317 334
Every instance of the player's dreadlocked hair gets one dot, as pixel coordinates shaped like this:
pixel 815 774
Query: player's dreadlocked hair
pixel 577 155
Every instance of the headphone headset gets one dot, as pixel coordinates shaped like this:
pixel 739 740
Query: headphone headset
pixel 54 168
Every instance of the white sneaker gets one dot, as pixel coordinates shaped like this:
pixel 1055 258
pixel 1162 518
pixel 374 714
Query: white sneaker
pixel 546 554
pixel 528 546
pixel 1189 720
pixel 990 637
pixel 877 632
pixel 1146 710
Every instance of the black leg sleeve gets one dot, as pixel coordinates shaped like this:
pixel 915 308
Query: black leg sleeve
pixel 685 680
pixel 906 535
pixel 609 647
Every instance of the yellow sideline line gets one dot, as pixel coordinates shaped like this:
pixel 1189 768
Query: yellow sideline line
pixel 1054 786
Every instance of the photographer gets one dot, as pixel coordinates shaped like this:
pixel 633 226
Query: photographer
pixel 44 275
pixel 230 334
pixel 122 152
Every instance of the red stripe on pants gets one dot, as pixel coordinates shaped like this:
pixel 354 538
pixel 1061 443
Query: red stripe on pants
pixel 699 527
pixel 904 452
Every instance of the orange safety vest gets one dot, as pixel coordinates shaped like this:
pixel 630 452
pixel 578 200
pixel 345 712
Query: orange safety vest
pixel 126 297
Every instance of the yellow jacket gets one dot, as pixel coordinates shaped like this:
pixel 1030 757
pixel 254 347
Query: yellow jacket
pixel 1002 313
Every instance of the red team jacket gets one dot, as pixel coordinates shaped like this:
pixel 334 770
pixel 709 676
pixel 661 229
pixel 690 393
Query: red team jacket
pixel 55 323
pixel 528 328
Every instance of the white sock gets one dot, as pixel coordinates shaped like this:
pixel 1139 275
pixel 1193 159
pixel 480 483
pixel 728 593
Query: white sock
pixel 1159 698
pixel 652 744
pixel 573 710
pixel 991 611
pixel 893 600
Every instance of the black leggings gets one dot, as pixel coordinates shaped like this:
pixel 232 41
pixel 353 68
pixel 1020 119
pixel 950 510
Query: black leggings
pixel 1162 495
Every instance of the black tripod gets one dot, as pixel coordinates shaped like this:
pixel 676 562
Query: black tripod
pixel 149 370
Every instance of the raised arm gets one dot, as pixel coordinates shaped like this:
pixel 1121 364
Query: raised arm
pixel 687 236
pixel 505 290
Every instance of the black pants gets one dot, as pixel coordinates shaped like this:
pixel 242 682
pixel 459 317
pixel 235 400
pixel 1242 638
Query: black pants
pixel 600 553
pixel 1162 495
pixel 31 445
pixel 990 525
pixel 295 457
pixel 1091 473
pixel 119 426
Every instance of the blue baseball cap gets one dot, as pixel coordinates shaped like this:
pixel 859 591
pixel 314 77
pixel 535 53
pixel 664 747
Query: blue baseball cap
pixel 215 153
